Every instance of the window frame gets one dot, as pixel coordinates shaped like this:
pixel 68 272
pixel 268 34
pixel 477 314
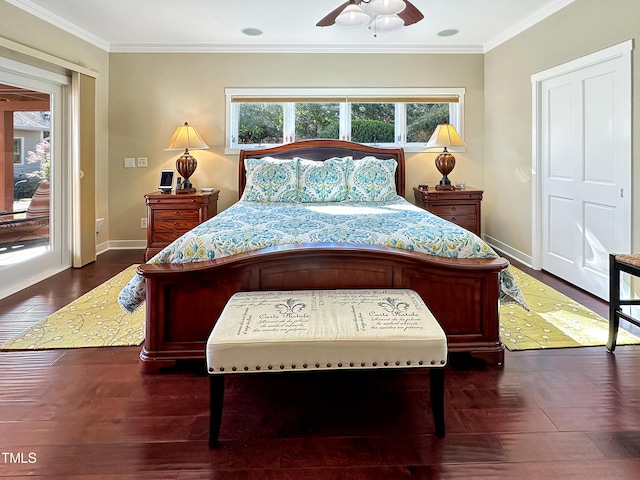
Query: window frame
pixel 20 153
pixel 456 110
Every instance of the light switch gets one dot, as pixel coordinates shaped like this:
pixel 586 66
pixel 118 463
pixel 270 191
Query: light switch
pixel 129 162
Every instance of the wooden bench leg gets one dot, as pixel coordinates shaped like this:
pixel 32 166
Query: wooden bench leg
pixel 614 303
pixel 436 390
pixel 216 396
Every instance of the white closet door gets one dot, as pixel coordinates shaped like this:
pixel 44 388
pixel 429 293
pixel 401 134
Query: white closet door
pixel 585 170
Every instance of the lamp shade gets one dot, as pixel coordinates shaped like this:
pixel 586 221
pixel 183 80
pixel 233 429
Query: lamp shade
pixel 445 135
pixel 386 7
pixel 186 137
pixel 352 16
pixel 385 23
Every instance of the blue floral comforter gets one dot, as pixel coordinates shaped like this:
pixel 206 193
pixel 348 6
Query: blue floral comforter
pixel 249 226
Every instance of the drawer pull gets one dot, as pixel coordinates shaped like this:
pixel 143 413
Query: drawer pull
pixel 177 213
pixel 453 219
pixel 453 209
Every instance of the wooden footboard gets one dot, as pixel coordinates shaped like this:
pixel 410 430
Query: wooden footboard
pixel 185 300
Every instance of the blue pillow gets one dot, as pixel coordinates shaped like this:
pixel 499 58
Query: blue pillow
pixel 322 181
pixel 371 180
pixel 271 180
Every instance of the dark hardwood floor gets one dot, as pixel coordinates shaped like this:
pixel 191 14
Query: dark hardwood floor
pixel 90 414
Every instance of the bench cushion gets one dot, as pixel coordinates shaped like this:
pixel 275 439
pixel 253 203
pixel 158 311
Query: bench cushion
pixel 325 329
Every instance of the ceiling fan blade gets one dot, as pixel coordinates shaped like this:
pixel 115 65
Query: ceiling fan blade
pixel 411 14
pixel 331 18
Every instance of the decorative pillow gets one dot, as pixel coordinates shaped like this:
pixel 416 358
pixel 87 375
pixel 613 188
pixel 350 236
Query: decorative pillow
pixel 271 180
pixel 322 181
pixel 371 180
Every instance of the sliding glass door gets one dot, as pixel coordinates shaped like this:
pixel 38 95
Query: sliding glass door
pixel 35 240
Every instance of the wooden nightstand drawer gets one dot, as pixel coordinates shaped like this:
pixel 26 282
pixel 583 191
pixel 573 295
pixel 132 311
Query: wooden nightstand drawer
pixel 177 225
pixel 166 237
pixel 458 210
pixel 460 219
pixel 179 215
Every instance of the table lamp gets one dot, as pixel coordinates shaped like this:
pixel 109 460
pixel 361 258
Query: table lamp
pixel 186 137
pixel 445 135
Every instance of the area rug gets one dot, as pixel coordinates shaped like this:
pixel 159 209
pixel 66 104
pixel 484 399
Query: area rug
pixel 93 320
pixel 554 320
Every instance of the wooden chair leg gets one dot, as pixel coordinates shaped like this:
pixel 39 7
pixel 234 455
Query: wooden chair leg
pixel 614 303
pixel 216 398
pixel 436 390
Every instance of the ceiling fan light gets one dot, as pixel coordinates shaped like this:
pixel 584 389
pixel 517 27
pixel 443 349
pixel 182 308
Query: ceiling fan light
pixel 385 23
pixel 352 16
pixel 386 7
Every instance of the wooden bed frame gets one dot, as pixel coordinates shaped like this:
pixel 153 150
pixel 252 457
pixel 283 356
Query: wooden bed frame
pixel 183 301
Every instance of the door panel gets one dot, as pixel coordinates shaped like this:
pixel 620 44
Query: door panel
pixel 585 166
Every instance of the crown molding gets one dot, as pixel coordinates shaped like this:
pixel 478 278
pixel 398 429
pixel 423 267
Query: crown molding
pixel 284 48
pixel 525 24
pixel 57 21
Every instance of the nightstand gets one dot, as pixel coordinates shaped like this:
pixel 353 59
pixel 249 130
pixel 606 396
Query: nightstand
pixel 170 215
pixel 461 207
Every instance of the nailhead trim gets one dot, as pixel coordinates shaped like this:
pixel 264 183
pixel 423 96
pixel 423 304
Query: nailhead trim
pixel 339 364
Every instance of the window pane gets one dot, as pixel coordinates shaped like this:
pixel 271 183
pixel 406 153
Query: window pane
pixel 317 120
pixel 260 123
pixel 18 150
pixel 423 118
pixel 373 122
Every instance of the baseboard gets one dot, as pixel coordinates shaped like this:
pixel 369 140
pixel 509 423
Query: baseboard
pixel 508 250
pixel 121 245
pixel 102 247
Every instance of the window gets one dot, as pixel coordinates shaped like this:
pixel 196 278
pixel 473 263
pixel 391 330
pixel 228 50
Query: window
pixel 373 122
pixel 401 117
pixel 260 123
pixel 18 150
pixel 317 120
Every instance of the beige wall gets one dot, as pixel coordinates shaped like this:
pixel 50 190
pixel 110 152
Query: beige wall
pixel 151 94
pixel 25 29
pixel 583 27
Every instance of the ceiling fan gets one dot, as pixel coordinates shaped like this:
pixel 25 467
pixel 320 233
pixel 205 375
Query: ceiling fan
pixel 388 14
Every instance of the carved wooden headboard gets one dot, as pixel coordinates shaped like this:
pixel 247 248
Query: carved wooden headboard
pixel 322 150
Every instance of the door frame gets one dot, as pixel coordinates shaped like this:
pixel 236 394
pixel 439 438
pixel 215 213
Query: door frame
pixel 620 50
pixel 58 258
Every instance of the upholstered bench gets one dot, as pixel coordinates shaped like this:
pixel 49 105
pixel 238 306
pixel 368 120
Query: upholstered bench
pixel 285 331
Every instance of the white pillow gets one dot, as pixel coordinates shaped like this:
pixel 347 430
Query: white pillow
pixel 271 180
pixel 371 180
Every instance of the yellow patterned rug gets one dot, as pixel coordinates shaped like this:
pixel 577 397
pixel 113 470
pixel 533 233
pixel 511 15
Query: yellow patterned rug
pixel 554 320
pixel 96 320
pixel 93 320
